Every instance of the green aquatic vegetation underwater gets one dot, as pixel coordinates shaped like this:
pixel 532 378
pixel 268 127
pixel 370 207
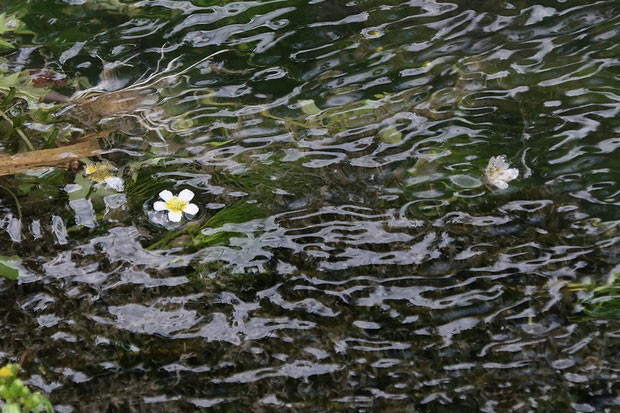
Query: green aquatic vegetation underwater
pixel 599 300
pixel 25 123
pixel 21 105
pixel 17 397
pixel 11 25
pixel 21 94
pixel 324 237
pixel 8 268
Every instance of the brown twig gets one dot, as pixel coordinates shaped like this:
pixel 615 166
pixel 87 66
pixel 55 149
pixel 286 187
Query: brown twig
pixel 59 157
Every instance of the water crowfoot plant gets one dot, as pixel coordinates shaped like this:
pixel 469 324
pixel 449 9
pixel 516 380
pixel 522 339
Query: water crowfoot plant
pixel 16 395
pixel 599 300
pixel 176 205
pixel 498 172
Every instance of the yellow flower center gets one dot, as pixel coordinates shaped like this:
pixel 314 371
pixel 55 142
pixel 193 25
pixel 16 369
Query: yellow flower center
pixel 176 204
pixel 494 173
pixel 98 172
pixel 5 372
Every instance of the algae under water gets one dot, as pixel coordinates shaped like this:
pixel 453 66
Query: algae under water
pixel 347 254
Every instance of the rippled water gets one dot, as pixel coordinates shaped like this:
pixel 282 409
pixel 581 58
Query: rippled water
pixel 348 255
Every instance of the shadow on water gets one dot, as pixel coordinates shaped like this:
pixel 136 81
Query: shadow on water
pixel 348 254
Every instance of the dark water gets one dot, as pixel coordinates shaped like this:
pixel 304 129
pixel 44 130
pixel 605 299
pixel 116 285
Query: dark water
pixel 347 259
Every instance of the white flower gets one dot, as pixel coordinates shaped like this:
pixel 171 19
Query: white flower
pixel 101 173
pixel 176 205
pixel 499 173
pixel 115 183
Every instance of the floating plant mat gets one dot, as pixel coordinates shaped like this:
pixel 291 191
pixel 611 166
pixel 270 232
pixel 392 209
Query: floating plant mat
pixel 311 206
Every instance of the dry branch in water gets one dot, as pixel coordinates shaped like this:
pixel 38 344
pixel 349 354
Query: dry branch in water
pixel 58 157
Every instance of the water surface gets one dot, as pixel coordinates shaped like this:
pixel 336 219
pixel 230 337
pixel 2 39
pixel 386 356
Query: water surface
pixel 347 255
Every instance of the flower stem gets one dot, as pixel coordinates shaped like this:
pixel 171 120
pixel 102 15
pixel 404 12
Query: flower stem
pixel 19 132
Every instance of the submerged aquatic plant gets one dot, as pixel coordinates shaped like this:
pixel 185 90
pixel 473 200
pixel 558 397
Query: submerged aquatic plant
pixel 17 396
pixel 498 172
pixel 10 25
pixel 176 205
pixel 599 301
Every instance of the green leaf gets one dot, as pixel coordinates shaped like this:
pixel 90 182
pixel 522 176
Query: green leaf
pixel 390 135
pixel 82 187
pixel 51 138
pixel 24 89
pixel 216 144
pixel 6 45
pixel 8 267
pixel 9 97
pixel 11 408
pixel 308 107
pixel 11 24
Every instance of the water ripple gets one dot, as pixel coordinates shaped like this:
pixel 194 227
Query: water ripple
pixel 349 253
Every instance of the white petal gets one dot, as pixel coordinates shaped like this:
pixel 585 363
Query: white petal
pixel 191 209
pixel 159 206
pixel 186 195
pixel 175 216
pixel 115 183
pixel 165 195
pixel 493 162
pixel 510 174
pixel 498 162
pixel 500 184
